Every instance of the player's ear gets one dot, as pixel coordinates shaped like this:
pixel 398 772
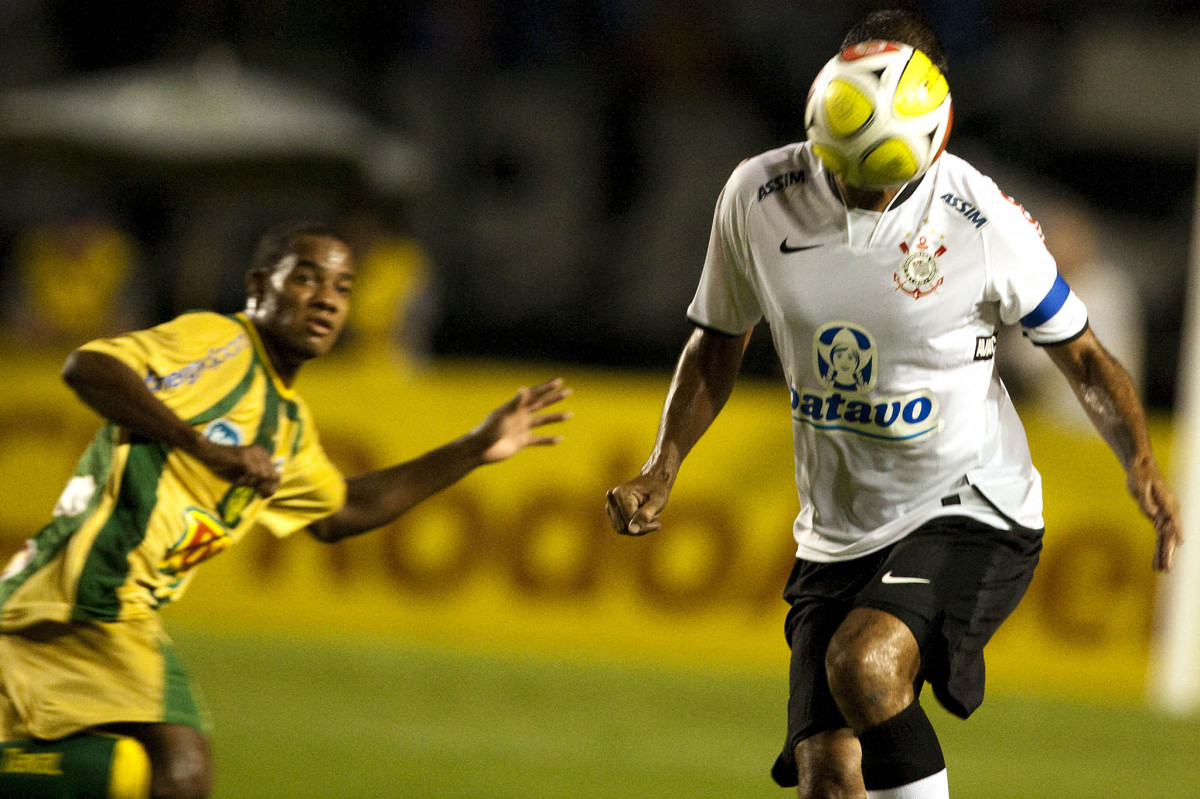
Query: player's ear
pixel 256 287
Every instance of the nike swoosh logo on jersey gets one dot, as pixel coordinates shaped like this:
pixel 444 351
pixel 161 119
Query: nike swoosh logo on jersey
pixel 785 249
pixel 891 579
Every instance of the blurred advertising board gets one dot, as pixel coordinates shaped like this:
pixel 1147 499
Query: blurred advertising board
pixel 519 555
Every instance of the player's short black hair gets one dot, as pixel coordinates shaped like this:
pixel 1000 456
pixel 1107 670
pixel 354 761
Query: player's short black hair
pixel 898 25
pixel 281 239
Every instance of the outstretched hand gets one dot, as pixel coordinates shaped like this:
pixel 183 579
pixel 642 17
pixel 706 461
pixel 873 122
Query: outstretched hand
pixel 510 428
pixel 1158 502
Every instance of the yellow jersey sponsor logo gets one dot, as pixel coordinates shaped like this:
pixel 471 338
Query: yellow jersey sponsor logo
pixel 192 372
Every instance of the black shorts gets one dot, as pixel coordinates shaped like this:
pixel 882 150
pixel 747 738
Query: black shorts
pixel 976 576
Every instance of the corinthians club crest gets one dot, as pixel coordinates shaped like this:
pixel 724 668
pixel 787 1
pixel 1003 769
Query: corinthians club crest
pixel 919 275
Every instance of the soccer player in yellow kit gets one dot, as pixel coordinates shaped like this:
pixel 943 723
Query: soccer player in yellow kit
pixel 204 441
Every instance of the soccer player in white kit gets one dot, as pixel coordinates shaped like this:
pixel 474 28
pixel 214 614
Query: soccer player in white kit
pixel 920 510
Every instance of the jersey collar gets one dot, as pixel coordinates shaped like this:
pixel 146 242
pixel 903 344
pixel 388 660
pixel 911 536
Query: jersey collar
pixel 909 190
pixel 261 351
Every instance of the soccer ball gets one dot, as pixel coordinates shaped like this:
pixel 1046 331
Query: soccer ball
pixel 879 114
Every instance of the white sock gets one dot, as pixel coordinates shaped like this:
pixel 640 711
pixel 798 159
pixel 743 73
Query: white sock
pixel 935 786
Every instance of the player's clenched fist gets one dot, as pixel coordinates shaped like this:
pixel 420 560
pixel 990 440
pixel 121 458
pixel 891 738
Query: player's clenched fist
pixel 633 506
pixel 249 466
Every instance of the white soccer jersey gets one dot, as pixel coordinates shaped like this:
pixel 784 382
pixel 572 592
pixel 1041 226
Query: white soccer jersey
pixel 886 327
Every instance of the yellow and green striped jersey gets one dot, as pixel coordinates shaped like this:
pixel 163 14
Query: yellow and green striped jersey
pixel 137 517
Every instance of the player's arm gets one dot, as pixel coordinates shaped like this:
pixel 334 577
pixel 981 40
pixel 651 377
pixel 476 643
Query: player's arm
pixel 1108 395
pixel 112 389
pixel 702 382
pixel 376 498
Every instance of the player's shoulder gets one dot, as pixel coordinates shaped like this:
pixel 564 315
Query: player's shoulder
pixel 202 331
pixel 762 175
pixel 201 320
pixel 976 200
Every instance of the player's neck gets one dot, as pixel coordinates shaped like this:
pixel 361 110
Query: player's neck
pixel 866 199
pixel 285 362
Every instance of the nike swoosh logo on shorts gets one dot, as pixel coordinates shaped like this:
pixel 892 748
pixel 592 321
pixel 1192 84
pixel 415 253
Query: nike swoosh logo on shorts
pixel 890 579
pixel 785 249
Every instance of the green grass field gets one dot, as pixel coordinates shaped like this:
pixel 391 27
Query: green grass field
pixel 306 718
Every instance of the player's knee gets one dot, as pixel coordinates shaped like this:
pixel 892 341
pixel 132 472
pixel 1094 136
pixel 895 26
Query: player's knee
pixel 871 659
pixel 855 668
pixel 180 760
pixel 183 781
pixel 185 774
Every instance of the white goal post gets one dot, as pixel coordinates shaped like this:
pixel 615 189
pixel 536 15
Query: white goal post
pixel 1173 683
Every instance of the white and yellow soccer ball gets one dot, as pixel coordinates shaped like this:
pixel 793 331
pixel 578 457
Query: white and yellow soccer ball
pixel 879 114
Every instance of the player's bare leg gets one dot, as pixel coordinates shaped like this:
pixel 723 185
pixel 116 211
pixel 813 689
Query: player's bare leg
pixel 181 765
pixel 872 663
pixel 829 766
